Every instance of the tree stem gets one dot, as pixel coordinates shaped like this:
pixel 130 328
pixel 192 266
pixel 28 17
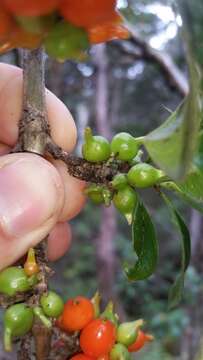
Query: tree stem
pixel 33 127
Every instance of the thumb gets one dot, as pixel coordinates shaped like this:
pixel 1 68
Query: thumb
pixel 31 197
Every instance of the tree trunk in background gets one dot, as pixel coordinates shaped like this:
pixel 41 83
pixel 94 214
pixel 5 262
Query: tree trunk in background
pixel 55 80
pixel 82 122
pixel 191 337
pixel 105 250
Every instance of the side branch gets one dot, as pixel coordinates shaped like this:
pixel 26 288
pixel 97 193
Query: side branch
pixel 140 49
pixel 99 173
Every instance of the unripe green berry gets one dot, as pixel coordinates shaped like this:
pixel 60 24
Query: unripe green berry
pixel 95 193
pixel 18 320
pixel 125 201
pixel 65 41
pixel 52 304
pixel 127 332
pixel 14 279
pixel 119 181
pixel 144 175
pixel 95 148
pixel 119 352
pixel 124 146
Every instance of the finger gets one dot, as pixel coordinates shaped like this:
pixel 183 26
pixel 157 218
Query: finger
pixel 63 128
pixel 59 241
pixel 31 198
pixel 73 193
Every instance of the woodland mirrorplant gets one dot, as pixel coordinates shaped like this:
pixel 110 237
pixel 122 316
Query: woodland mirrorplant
pixel 169 158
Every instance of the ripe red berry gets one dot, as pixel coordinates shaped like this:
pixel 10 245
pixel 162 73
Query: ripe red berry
pixel 140 341
pixel 81 357
pixel 98 337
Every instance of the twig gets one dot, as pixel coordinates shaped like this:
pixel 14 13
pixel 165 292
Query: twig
pixel 24 353
pixel 99 173
pixel 138 48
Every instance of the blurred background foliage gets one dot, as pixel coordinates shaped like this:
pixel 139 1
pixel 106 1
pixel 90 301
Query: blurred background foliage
pixel 119 88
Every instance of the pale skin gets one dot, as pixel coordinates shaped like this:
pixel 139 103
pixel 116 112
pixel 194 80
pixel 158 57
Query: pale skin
pixel 37 198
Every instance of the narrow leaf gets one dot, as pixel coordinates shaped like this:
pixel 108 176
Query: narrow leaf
pixel 191 190
pixel 172 146
pixel 176 291
pixel 145 245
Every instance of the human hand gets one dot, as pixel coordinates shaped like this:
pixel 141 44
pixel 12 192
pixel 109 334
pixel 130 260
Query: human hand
pixel 37 198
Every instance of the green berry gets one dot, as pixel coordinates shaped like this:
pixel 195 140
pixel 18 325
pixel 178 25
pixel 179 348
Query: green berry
pixel 52 304
pixel 36 24
pixel 119 352
pixel 144 175
pixel 95 148
pixel 66 41
pixel 18 320
pixel 14 280
pixel 119 181
pixel 95 193
pixel 124 146
pixel 127 332
pixel 125 201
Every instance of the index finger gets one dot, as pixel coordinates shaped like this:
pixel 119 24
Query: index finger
pixel 63 129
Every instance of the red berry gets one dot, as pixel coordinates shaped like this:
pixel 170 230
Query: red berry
pixel 81 357
pixel 140 341
pixel 98 337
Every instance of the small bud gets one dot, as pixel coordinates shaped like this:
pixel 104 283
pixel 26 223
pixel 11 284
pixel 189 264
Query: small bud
pixel 96 299
pixel 109 314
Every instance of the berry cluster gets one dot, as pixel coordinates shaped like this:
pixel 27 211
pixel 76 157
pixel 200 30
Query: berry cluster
pixel 100 334
pixel 64 27
pixel 124 148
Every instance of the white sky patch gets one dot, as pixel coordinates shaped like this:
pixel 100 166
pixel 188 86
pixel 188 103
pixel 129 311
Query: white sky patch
pixel 158 41
pixel 165 13
pixel 122 4
pixel 85 69
pixel 169 19
pixel 135 70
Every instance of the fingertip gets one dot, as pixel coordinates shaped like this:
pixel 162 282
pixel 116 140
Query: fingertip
pixel 59 241
pixel 74 197
pixel 63 128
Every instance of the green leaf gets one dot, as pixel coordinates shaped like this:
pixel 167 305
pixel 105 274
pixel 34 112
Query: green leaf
pixel 192 15
pixel 176 291
pixel 191 190
pixel 198 160
pixel 145 245
pixel 173 144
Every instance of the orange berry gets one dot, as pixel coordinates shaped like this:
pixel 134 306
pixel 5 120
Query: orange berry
pixel 107 32
pixel 88 13
pixel 31 7
pixel 6 23
pixel 77 313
